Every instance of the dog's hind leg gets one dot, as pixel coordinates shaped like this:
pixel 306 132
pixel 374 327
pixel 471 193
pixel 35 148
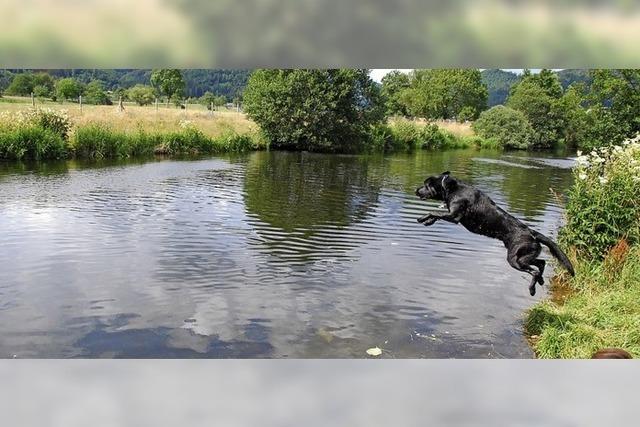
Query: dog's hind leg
pixel 540 263
pixel 522 264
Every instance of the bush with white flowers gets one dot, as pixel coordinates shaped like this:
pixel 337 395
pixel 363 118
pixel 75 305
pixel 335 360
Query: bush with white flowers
pixel 604 202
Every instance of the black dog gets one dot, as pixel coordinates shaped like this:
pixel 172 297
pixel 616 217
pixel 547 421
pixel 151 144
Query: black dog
pixel 479 214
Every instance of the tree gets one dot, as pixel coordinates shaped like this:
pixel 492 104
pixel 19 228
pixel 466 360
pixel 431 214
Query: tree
pixel 442 94
pixel 508 127
pixel 535 96
pixel 95 94
pixel 574 117
pixel 393 84
pixel 41 92
pixel 168 82
pixel 208 100
pixel 21 85
pixel 220 101
pixel 68 88
pixel 141 94
pixel 619 92
pixel 314 109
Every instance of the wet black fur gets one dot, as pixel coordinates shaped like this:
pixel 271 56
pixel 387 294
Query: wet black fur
pixel 479 214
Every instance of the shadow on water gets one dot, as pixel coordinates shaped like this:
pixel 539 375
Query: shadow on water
pixel 268 254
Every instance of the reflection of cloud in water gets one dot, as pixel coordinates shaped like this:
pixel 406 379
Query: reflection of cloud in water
pixel 165 259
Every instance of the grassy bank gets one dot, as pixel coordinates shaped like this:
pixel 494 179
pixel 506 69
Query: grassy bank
pixel 600 306
pixel 104 132
pixel 403 134
pixel 36 134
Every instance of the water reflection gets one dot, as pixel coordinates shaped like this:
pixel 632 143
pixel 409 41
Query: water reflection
pixel 269 254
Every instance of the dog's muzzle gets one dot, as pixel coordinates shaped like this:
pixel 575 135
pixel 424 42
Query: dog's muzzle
pixel 425 193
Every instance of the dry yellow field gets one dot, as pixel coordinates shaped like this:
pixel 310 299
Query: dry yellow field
pixel 167 119
pixel 456 128
pixel 147 118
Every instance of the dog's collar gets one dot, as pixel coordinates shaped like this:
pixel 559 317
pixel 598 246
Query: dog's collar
pixel 444 189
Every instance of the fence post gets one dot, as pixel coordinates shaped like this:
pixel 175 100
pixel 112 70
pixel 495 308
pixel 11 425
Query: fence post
pixel 156 105
pixel 80 99
pixel 33 100
pixel 211 109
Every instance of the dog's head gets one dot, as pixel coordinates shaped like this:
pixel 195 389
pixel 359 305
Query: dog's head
pixel 435 187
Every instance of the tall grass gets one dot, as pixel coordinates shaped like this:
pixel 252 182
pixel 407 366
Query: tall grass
pixel 31 143
pixel 101 141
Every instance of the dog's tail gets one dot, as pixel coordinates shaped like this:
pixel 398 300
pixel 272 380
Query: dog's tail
pixel 555 250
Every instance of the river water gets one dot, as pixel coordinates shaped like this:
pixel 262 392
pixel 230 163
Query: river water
pixel 269 254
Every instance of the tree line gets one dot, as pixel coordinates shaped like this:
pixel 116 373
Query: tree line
pixel 338 109
pixel 105 86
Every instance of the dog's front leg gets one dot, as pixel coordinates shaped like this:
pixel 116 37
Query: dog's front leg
pixel 453 216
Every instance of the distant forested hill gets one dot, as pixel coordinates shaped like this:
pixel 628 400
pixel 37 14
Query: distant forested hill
pixel 569 76
pixel 498 83
pixel 229 83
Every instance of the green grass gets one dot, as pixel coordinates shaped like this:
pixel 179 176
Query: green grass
pixel 31 143
pixel 602 309
pixel 407 135
pixel 101 141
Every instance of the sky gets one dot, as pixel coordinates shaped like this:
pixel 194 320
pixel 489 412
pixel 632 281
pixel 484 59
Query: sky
pixel 378 73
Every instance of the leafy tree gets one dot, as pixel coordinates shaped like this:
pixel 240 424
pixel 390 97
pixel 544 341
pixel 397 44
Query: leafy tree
pixel 141 94
pixel 535 96
pixel 220 101
pixel 574 117
pixel 41 92
pixel 442 94
pixel 168 82
pixel 508 127
pixel 619 92
pixel 393 84
pixel 208 99
pixel 21 85
pixel 68 88
pixel 94 94
pixel 314 109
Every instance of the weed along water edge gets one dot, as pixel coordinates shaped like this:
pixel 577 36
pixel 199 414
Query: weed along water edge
pixel 264 254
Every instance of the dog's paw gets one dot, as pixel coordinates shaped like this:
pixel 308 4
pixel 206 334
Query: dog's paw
pixel 429 222
pixel 532 290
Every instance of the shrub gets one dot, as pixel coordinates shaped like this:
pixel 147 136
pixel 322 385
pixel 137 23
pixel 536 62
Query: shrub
pixel 509 128
pixel 432 137
pixel 55 121
pixel 381 138
pixel 604 202
pixel 31 142
pixel 406 134
pixel 467 114
pixel 141 94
